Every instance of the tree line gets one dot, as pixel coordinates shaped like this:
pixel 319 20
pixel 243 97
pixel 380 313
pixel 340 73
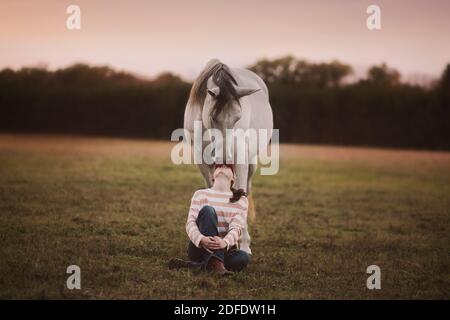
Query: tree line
pixel 312 103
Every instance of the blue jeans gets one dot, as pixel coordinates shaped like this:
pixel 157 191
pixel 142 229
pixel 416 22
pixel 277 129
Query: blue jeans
pixel 234 259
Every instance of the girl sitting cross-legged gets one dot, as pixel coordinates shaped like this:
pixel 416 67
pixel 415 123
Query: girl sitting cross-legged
pixel 217 227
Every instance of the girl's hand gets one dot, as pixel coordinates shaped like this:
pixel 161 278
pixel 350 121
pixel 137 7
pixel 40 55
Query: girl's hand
pixel 206 242
pixel 217 243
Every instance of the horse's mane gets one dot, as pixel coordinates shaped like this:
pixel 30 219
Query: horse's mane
pixel 222 77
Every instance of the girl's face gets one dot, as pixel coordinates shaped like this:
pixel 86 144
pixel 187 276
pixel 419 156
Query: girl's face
pixel 224 171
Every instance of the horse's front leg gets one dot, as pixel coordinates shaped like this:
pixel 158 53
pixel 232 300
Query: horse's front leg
pixel 241 176
pixel 206 171
pixel 240 160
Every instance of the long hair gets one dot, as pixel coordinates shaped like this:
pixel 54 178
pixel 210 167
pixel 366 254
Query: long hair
pixel 222 77
pixel 237 194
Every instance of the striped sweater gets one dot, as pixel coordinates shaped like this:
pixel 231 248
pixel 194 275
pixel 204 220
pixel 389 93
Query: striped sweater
pixel 232 218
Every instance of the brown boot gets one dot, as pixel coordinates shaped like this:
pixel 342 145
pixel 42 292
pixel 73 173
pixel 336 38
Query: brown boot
pixel 216 266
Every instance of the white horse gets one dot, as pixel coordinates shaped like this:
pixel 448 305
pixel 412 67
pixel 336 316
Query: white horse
pixel 230 98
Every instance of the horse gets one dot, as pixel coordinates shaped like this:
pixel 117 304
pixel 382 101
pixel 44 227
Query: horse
pixel 230 98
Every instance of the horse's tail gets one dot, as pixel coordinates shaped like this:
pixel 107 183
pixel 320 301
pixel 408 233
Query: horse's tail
pixel 198 91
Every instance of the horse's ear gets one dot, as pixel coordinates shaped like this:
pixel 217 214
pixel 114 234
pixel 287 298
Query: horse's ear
pixel 242 92
pixel 214 92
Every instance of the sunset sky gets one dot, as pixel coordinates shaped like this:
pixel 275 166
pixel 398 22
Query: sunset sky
pixel 147 37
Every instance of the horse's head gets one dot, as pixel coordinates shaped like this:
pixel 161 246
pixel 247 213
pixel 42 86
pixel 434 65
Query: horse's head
pixel 222 106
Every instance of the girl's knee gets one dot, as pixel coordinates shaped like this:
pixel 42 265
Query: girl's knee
pixel 207 221
pixel 207 212
pixel 238 262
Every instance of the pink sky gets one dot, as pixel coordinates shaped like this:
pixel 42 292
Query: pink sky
pixel 147 37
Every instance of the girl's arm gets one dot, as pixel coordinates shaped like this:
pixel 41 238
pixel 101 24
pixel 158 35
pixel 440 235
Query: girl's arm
pixel 191 225
pixel 237 224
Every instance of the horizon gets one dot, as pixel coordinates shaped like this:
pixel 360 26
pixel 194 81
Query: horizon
pixel 419 79
pixel 152 37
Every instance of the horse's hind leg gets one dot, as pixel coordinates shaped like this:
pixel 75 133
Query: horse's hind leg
pixel 251 203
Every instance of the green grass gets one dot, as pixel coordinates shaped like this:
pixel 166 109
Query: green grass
pixel 320 223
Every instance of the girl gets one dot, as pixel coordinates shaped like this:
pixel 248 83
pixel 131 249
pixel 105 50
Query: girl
pixel 217 226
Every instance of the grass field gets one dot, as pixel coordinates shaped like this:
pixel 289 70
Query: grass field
pixel 117 209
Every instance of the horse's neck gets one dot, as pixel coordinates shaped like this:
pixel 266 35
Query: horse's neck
pixel 259 110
